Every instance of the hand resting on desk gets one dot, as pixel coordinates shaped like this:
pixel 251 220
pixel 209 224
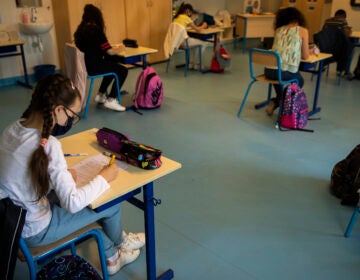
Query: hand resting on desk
pixel 116 49
pixel 110 172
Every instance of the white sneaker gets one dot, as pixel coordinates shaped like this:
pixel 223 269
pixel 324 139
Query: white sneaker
pixel 100 98
pixel 125 257
pixel 132 241
pixel 112 104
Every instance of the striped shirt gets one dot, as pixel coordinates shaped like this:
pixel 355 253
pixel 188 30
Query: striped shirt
pixel 336 22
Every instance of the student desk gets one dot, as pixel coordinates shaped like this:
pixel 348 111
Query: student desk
pixel 137 55
pixel 207 34
pixel 254 26
pixel 129 182
pixel 9 48
pixel 356 36
pixel 309 65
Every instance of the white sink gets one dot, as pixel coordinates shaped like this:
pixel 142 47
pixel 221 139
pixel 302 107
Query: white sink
pixel 35 28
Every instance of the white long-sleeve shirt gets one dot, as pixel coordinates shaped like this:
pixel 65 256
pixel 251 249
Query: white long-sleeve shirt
pixel 17 144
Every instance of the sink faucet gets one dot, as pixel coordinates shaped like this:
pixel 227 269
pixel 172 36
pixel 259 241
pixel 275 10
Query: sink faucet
pixel 33 14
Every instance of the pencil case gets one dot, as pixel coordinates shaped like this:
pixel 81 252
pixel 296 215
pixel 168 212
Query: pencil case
pixel 140 155
pixel 130 43
pixel 111 139
pixel 134 153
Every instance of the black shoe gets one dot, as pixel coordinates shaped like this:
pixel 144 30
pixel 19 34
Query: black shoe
pixel 348 76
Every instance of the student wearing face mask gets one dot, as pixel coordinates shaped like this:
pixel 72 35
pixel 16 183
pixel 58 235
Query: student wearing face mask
pixel 32 164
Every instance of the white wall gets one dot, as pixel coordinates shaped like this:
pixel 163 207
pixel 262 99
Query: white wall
pixel 233 6
pixel 11 16
pixel 353 14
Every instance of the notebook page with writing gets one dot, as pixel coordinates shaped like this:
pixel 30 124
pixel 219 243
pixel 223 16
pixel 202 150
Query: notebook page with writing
pixel 88 168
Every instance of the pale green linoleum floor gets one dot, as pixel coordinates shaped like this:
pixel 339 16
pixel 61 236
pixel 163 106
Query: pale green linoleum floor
pixel 250 202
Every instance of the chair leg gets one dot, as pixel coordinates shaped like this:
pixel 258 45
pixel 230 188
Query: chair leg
pixel 339 79
pixel 352 221
pixel 277 123
pixel 167 65
pixel 88 98
pixel 200 59
pixel 245 97
pixel 187 60
pixel 29 260
pixel 101 251
pixel 267 101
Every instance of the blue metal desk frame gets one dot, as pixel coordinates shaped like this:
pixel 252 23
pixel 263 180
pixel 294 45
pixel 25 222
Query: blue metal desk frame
pixel 11 50
pixel 208 36
pixel 147 205
pixel 136 56
pixel 315 67
pixel 310 67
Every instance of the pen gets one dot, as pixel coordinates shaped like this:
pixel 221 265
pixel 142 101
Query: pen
pixel 75 155
pixel 110 155
pixel 112 160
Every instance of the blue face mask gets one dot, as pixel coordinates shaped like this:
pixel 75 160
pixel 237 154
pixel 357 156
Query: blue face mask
pixel 62 129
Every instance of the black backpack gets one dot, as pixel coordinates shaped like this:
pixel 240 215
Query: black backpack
pixel 345 178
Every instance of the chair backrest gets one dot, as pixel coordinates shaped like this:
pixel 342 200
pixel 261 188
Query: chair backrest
pixel 265 58
pixel 175 36
pixel 75 69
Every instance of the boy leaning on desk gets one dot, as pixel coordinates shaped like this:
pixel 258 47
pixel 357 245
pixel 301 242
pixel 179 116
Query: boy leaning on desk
pixel 32 164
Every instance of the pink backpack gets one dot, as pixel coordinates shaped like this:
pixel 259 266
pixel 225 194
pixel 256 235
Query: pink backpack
pixel 149 90
pixel 294 114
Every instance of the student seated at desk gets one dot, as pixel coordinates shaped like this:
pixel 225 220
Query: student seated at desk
pixel 183 17
pixel 344 56
pixel 32 164
pixel 99 56
pixel 291 41
pixel 203 20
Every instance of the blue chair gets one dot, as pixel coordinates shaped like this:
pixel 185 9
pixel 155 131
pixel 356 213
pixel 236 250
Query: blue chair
pixel 177 35
pixel 352 221
pixel 34 256
pixel 264 58
pixel 92 80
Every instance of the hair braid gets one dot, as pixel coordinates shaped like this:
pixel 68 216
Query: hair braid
pixel 51 91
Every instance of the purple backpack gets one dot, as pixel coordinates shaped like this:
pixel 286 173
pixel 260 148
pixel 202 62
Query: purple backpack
pixel 294 113
pixel 149 90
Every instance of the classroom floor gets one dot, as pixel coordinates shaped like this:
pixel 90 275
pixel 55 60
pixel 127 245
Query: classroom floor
pixel 250 202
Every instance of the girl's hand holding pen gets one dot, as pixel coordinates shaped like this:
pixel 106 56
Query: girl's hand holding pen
pixel 109 172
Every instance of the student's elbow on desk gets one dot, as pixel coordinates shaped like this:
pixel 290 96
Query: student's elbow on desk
pixel 305 57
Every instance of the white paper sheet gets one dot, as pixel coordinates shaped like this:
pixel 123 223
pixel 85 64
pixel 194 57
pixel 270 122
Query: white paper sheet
pixel 89 167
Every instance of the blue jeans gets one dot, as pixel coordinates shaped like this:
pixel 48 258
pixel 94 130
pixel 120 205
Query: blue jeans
pixel 64 223
pixel 285 75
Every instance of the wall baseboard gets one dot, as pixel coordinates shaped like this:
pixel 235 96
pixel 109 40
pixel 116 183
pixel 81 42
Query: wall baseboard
pixel 11 81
